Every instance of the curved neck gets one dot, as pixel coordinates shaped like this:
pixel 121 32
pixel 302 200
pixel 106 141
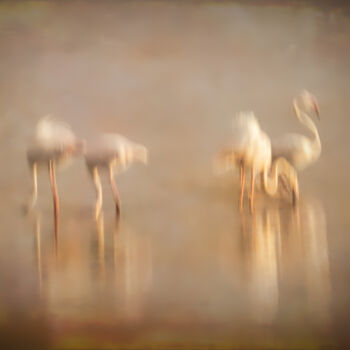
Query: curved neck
pixel 307 121
pixel 279 166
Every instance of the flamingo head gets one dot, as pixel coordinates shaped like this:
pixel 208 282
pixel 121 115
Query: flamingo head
pixel 310 102
pixel 140 153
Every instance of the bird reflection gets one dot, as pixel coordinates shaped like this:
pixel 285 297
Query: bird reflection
pixel 284 258
pixel 305 247
pixel 37 230
pixel 116 257
pixel 101 247
pixel 37 219
pixel 133 268
pixel 263 278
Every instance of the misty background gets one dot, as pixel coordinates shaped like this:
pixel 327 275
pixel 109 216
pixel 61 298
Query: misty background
pixel 171 75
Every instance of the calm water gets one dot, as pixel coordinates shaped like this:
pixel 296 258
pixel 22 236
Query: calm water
pixel 182 268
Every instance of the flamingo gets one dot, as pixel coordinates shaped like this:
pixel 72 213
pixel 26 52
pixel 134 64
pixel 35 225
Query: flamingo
pixel 53 143
pixel 114 153
pixel 251 148
pixel 299 150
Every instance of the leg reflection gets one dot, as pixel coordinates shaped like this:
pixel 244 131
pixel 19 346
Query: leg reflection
pixel 263 279
pixel 133 269
pixel 37 230
pixel 101 247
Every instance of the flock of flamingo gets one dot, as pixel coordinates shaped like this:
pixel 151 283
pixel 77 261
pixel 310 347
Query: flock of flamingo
pixel 54 143
pixel 281 159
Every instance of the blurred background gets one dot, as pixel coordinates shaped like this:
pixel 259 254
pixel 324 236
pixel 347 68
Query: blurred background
pixel 182 268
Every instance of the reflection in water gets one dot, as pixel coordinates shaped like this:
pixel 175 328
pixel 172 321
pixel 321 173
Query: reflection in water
pixel 284 252
pixel 37 230
pixel 263 278
pixel 101 247
pixel 306 246
pixel 72 268
pixel 317 266
pixel 37 218
pixel 276 264
pixel 133 268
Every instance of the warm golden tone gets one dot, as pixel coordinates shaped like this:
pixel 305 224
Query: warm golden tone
pixel 251 148
pixel 114 153
pixel 52 144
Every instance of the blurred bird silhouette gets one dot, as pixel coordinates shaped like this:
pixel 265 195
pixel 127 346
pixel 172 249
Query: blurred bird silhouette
pixel 53 143
pixel 114 153
pixel 299 150
pixel 251 148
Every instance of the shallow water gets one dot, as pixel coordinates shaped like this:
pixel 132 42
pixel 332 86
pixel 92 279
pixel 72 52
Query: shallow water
pixel 182 268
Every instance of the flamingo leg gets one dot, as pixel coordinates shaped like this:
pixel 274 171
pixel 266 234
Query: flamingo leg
pixel 295 192
pixel 114 191
pixel 98 188
pixel 242 175
pixel 34 195
pixel 262 186
pixel 54 187
pixel 56 235
pixel 251 199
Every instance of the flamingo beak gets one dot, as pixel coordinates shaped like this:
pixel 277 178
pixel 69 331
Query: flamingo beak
pixel 316 109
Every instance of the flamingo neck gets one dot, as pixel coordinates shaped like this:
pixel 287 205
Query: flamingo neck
pixel 271 182
pixel 307 121
pixel 279 166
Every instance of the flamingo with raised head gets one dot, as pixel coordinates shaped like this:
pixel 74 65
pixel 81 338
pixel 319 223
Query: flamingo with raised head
pixel 251 148
pixel 299 150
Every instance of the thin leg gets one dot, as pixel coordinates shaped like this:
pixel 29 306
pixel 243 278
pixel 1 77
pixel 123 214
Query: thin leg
pixel 56 235
pixel 295 192
pixel 251 199
pixel 34 195
pixel 262 186
pixel 242 173
pixel 114 191
pixel 54 188
pixel 98 187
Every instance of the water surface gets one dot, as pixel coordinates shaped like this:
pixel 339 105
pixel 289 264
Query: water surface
pixel 182 268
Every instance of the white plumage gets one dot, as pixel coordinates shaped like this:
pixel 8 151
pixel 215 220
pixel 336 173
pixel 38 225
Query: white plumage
pixel 115 153
pixel 251 145
pixel 299 150
pixel 53 142
pixel 53 134
pixel 251 148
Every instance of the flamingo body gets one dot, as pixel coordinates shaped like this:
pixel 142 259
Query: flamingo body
pixel 115 153
pixel 53 143
pixel 251 148
pixel 297 149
